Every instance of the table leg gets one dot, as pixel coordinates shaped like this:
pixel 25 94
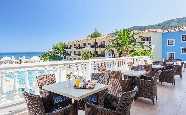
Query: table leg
pixel 75 104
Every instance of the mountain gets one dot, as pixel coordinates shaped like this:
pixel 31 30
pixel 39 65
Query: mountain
pixel 178 23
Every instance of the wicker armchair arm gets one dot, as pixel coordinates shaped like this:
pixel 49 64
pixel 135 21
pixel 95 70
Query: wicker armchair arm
pixel 68 110
pixel 97 109
pixel 101 97
pixel 107 111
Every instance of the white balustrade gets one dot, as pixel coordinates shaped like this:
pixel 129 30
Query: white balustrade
pixel 59 68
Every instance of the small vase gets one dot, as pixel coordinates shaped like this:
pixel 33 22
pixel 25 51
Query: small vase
pixel 68 83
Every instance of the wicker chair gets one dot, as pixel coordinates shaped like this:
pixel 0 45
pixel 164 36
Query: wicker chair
pixel 35 106
pixel 102 78
pixel 167 75
pixel 122 107
pixel 157 63
pixel 178 70
pixel 126 85
pixel 148 88
pixel 57 100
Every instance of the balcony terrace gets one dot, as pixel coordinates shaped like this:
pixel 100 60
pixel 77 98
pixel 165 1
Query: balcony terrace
pixel 14 79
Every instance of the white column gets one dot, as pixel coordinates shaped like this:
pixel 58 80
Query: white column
pixel 15 85
pixel 60 75
pixel 27 84
pixel 89 70
pixel 1 82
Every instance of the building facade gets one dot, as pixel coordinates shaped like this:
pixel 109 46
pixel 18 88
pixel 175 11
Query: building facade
pixel 154 42
pixel 98 45
pixel 94 45
pixel 174 45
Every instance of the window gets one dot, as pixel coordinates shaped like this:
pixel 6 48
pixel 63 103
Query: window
pixel 171 55
pixel 103 42
pixel 145 38
pixel 183 50
pixel 84 44
pixel 184 38
pixel 170 42
pixel 89 43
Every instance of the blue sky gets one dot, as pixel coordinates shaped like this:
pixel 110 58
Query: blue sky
pixel 34 25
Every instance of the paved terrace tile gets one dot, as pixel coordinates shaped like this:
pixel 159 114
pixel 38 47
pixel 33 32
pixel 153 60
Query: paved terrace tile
pixel 171 101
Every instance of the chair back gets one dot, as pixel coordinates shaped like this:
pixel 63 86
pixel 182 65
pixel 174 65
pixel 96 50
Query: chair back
pixel 34 104
pixel 125 102
pixel 126 85
pixel 157 63
pixel 46 80
pixel 114 87
pixel 157 74
pixel 102 78
pixel 167 75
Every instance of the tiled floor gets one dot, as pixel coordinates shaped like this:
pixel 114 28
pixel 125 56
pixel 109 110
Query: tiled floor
pixel 171 101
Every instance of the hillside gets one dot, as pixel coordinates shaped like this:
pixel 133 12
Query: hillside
pixel 178 23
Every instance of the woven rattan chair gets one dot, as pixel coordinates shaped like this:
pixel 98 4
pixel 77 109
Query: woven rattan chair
pixel 56 99
pixel 148 88
pixel 126 85
pixel 102 78
pixel 157 63
pixel 167 75
pixel 178 70
pixel 35 106
pixel 122 107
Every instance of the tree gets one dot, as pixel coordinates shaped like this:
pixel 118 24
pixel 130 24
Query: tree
pixel 85 55
pixel 45 56
pixel 95 34
pixel 125 43
pixel 141 52
pixel 57 53
pixel 59 48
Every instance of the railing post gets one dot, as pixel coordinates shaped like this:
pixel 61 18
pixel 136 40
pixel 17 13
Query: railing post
pixel 60 76
pixel 1 80
pixel 15 87
pixel 89 68
pixel 27 84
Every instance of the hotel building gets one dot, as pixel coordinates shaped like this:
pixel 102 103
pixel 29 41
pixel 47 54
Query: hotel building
pixel 94 45
pixel 174 45
pixel 98 45
pixel 154 41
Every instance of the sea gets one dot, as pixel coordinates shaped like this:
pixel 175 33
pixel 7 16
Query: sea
pixel 20 75
pixel 18 55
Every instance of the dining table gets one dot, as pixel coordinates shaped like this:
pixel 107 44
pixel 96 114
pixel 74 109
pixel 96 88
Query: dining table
pixel 63 88
pixel 157 66
pixel 134 73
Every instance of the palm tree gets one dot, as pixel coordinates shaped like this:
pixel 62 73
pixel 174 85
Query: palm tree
pixel 125 43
